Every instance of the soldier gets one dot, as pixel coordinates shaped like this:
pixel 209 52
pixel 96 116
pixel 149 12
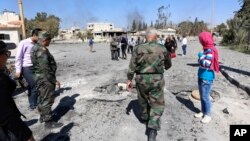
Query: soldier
pixel 45 77
pixel 113 48
pixel 148 62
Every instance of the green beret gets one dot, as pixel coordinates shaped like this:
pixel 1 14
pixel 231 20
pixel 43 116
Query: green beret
pixel 44 35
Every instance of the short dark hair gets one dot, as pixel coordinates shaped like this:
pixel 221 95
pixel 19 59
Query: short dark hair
pixel 35 31
pixel 3 46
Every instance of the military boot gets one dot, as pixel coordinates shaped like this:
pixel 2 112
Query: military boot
pixel 52 124
pixel 152 135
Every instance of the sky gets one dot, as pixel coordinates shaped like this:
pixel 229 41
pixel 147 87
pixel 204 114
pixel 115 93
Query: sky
pixel 79 12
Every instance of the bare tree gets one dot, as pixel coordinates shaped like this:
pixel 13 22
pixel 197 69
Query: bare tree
pixel 163 16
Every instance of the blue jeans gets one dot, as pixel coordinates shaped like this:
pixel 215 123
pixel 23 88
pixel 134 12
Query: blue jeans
pixel 184 49
pixel 28 74
pixel 204 89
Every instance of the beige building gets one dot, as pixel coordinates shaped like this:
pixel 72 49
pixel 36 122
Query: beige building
pixel 166 32
pixel 10 29
pixel 67 34
pixel 104 31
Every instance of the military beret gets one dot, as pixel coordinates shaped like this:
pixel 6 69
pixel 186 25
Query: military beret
pixel 44 35
pixel 3 46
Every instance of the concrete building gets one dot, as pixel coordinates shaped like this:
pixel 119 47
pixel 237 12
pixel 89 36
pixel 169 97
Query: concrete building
pixel 166 32
pixel 10 29
pixel 104 31
pixel 67 34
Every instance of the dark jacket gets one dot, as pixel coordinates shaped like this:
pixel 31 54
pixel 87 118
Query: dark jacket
pixel 7 105
pixel 170 46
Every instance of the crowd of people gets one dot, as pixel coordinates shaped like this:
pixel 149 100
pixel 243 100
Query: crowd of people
pixel 149 59
pixel 124 45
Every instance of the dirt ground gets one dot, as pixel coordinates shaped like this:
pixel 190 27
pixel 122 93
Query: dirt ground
pixel 91 111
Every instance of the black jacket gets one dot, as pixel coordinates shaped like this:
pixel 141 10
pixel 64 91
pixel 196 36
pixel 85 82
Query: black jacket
pixel 7 105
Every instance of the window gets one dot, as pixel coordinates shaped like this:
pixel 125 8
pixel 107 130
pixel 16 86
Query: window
pixel 4 37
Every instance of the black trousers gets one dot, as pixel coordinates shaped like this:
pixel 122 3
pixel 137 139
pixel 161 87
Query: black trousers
pixel 124 54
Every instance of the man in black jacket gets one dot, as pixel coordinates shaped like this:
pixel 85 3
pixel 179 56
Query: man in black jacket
pixel 10 119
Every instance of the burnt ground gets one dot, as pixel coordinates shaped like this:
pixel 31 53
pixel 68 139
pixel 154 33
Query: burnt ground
pixel 92 108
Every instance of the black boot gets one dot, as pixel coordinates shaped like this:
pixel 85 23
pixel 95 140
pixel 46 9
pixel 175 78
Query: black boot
pixel 52 124
pixel 152 135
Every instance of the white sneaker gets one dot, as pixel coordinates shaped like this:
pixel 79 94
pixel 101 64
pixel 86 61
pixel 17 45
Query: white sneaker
pixel 206 119
pixel 198 115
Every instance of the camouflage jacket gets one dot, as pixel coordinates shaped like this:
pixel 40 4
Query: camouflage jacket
pixel 149 58
pixel 114 45
pixel 44 64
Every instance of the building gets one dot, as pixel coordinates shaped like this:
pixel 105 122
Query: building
pixel 10 29
pixel 67 34
pixel 166 32
pixel 104 31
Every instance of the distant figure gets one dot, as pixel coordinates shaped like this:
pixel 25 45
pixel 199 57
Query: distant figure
pixel 148 63
pixel 184 45
pixel 113 48
pixel 24 66
pixel 208 64
pixel 174 41
pixel 124 44
pixel 161 40
pixel 10 116
pixel 214 38
pixel 138 41
pixel 131 45
pixel 169 44
pixel 91 43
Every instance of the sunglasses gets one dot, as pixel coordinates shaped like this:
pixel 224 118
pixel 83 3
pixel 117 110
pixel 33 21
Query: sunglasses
pixel 7 53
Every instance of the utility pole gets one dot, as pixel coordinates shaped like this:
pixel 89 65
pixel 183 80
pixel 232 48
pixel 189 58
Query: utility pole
pixel 22 18
pixel 212 14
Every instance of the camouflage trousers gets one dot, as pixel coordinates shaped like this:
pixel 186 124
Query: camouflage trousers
pixel 45 99
pixel 150 90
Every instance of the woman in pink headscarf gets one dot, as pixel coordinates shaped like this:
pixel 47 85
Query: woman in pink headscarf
pixel 208 65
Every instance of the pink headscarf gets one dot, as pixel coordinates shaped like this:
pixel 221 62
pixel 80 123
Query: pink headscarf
pixel 207 42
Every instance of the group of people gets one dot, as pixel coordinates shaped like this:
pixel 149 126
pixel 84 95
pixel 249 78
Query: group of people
pixel 148 63
pixel 123 44
pixel 36 64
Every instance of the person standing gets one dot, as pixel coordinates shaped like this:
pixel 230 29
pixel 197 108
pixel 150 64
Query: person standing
pixel 174 41
pixel 184 45
pixel 10 119
pixel 124 44
pixel 91 43
pixel 45 77
pixel 131 45
pixel 148 63
pixel 113 48
pixel 208 65
pixel 169 44
pixel 24 66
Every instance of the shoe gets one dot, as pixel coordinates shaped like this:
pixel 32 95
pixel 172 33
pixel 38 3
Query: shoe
pixel 198 115
pixel 152 135
pixel 52 124
pixel 206 119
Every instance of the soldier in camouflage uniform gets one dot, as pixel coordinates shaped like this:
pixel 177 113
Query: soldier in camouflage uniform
pixel 148 62
pixel 45 77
